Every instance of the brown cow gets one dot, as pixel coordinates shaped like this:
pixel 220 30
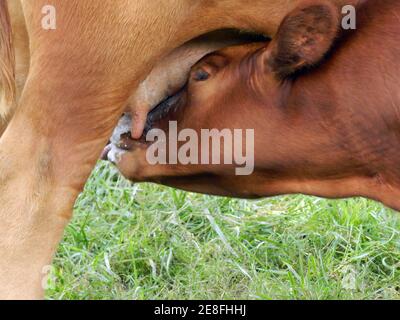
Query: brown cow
pixel 80 78
pixel 326 120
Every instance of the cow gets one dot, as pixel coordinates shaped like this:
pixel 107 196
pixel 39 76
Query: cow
pixel 324 105
pixel 79 77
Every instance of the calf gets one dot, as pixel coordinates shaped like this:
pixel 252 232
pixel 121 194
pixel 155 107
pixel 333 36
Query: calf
pixel 324 105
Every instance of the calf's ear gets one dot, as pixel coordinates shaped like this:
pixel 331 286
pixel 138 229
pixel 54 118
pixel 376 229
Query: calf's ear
pixel 303 38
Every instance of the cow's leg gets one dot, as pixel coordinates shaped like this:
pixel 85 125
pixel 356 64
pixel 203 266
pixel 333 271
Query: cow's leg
pixel 45 158
pixel 71 100
pixel 73 97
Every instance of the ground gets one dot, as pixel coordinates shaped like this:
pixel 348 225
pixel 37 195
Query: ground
pixel 150 242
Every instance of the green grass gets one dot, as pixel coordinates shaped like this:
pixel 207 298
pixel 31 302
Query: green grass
pixel 149 242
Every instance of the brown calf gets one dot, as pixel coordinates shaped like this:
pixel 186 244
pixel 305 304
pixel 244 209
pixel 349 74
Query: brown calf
pixel 324 105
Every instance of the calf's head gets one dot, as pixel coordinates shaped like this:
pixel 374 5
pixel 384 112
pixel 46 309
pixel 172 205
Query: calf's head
pixel 270 108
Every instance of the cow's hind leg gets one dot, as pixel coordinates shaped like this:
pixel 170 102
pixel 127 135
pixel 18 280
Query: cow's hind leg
pixel 70 103
pixel 45 158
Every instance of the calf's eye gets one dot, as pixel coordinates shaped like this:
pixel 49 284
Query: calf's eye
pixel 201 75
